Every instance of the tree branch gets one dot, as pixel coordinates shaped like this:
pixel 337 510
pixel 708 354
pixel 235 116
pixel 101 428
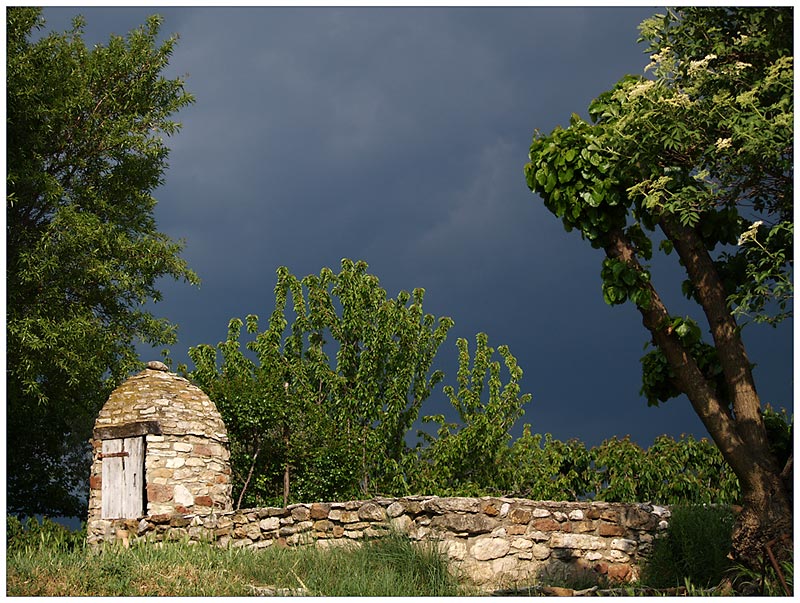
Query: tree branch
pixel 730 349
pixel 688 376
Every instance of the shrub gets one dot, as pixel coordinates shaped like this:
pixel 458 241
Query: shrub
pixel 694 548
pixel 47 534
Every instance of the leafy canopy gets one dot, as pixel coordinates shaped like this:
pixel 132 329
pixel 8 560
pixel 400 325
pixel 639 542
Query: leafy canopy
pixel 331 394
pixel 705 144
pixel 86 149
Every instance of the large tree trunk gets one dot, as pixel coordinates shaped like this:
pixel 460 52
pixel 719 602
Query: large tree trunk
pixel 739 431
pixel 767 507
pixel 765 519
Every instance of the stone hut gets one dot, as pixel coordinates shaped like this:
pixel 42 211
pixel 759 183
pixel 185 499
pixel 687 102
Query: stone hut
pixel 159 447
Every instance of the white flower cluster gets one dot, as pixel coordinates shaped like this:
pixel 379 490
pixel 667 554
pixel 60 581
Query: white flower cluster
pixel 750 233
pixel 702 64
pixel 723 143
pixel 640 89
pixel 658 57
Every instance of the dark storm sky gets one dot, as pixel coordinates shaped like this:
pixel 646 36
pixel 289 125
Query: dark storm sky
pixel 398 136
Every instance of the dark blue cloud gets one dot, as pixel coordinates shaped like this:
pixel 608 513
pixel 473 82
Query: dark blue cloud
pixel 398 136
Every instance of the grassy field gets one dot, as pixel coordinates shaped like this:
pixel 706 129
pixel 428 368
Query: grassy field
pixel 388 567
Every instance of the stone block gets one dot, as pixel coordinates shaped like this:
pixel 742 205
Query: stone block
pixel 540 552
pixel 610 515
pixel 490 509
pixel 618 556
pixel 582 527
pixel 453 505
pixel 320 511
pixel 402 523
pixel 638 519
pixel 203 450
pixel 490 548
pixel 538 536
pixel 575 515
pixel 577 541
pixel 610 529
pixel 371 512
pixel 623 544
pixel 348 516
pixel 521 544
pixel 301 513
pixel 159 493
pixel 546 525
pixel 182 447
pixel 455 550
pixel 253 532
pixel 395 510
pixel 269 524
pixel 520 515
pixel 203 501
pixel 619 571
pixel 179 521
pixel 470 523
pixel 182 496
pixel 412 507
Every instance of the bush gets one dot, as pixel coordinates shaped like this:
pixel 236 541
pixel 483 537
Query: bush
pixel 48 534
pixel 694 548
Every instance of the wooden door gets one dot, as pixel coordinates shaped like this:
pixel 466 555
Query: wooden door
pixel 123 478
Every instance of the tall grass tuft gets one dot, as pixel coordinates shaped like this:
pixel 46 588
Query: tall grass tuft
pixel 694 549
pixel 63 566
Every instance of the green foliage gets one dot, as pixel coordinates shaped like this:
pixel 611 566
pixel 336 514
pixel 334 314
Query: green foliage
pixel 766 582
pixel 618 470
pixel 46 535
pixel 339 424
pixel 707 142
pixel 85 151
pixel 548 469
pixel 694 549
pixel 468 456
pixel 780 432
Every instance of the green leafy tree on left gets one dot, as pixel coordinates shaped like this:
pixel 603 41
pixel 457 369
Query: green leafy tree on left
pixel 85 151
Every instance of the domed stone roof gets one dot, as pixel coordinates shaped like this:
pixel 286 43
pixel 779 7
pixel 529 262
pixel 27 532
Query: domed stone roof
pixel 166 402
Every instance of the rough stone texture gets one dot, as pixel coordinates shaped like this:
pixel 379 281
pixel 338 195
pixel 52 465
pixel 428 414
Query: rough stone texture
pixel 483 539
pixel 187 468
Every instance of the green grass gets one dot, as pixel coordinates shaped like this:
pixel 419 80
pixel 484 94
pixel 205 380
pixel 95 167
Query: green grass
pixel 391 566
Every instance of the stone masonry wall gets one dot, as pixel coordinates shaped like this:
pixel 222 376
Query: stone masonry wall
pixel 493 542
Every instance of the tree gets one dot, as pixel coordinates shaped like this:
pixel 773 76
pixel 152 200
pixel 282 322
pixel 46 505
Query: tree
pixel 472 457
pixel 336 425
pixel 703 153
pixel 85 152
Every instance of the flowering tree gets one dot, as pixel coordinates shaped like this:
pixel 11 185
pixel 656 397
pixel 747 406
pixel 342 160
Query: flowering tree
pixel 703 152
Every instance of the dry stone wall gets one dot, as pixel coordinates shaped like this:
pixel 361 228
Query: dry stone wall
pixel 492 542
